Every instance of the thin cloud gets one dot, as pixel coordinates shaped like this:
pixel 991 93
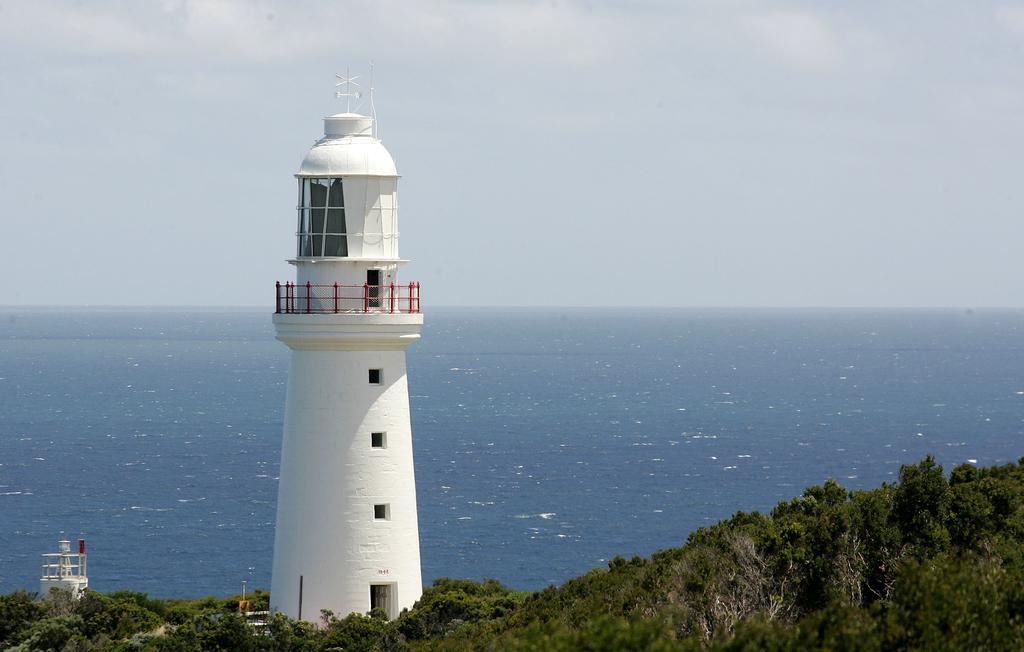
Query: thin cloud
pixel 1011 18
pixel 795 37
pixel 526 34
pixel 238 30
pixel 78 29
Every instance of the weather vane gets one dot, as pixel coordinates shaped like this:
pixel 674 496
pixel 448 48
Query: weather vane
pixel 348 81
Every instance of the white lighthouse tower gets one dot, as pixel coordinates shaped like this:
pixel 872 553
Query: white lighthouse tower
pixel 347 537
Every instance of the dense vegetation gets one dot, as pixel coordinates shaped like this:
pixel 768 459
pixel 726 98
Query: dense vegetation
pixel 932 562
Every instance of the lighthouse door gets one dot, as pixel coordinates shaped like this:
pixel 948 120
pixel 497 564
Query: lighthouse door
pixel 373 288
pixel 381 598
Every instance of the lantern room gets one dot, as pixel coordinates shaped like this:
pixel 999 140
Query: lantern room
pixel 347 195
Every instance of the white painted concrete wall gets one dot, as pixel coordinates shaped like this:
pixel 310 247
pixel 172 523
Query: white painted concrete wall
pixel 326 271
pixel 74 585
pixel 331 477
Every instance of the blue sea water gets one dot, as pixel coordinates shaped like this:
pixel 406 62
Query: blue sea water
pixel 546 441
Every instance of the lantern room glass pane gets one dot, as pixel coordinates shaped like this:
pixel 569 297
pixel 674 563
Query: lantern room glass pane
pixel 335 242
pixel 303 219
pixel 335 245
pixel 322 228
pixel 335 220
pixel 318 205
pixel 337 199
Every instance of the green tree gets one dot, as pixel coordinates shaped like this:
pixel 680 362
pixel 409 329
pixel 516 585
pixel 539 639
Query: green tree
pixel 449 604
pixel 227 633
pixel 969 603
pixel 359 633
pixel 921 507
pixel 49 634
pixel 17 612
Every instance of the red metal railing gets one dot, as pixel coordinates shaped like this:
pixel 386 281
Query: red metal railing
pixel 316 298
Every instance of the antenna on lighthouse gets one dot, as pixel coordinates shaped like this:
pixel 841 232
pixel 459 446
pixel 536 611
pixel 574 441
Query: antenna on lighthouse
pixel 373 108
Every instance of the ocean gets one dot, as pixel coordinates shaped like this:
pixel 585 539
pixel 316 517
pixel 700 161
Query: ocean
pixel 547 441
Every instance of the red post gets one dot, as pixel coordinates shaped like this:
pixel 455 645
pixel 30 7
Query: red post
pixel 335 296
pixel 410 297
pixel 417 296
pixel 81 546
pixel 277 297
pixel 309 296
pixel 392 297
pixel 366 297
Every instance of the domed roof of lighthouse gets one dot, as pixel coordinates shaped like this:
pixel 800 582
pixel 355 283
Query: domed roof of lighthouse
pixel 348 148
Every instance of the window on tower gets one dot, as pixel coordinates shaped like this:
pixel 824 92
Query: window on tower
pixel 322 218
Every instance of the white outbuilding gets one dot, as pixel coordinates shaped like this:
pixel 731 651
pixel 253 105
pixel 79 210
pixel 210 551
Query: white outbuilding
pixel 64 570
pixel 347 537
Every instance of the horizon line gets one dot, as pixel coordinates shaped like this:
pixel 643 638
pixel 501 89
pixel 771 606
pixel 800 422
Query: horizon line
pixel 616 308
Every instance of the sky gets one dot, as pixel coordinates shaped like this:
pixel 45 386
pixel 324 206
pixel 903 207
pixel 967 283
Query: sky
pixel 641 153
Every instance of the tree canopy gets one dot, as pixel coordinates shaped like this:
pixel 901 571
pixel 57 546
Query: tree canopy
pixel 932 562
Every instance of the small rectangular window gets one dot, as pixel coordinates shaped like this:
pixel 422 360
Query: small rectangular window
pixel 378 440
pixel 382 512
pixel 375 376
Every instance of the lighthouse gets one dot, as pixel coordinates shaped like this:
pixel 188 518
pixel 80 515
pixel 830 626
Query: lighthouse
pixel 347 537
